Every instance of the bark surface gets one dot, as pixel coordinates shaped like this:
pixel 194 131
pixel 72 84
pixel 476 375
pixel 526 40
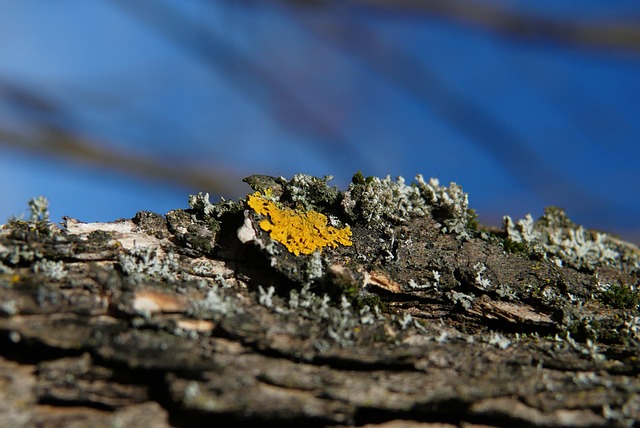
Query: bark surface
pixel 200 316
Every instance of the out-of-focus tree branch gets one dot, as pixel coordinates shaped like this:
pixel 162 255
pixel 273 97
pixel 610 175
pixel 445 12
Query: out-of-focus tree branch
pixel 43 135
pixel 404 70
pixel 603 33
pixel 261 85
pixel 48 141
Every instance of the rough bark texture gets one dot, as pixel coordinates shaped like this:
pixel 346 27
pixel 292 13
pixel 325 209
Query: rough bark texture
pixel 201 316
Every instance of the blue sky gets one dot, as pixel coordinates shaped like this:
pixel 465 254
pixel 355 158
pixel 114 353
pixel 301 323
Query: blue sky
pixel 232 88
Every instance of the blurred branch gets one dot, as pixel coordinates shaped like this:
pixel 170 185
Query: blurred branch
pixel 467 117
pixel 46 137
pixel 48 141
pixel 624 35
pixel 245 73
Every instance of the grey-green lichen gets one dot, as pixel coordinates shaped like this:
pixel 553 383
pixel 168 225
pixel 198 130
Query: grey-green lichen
pixel 554 236
pixel 54 270
pixel 27 233
pixel 340 320
pixel 304 192
pixel 368 202
pixel 198 226
pixel 216 304
pixel 39 209
pixel 146 261
pixel 382 204
pixel 374 201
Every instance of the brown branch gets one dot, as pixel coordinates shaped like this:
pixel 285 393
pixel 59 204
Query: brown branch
pixel 616 34
pixel 67 146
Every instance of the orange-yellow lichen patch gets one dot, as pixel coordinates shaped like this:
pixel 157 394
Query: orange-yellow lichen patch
pixel 300 232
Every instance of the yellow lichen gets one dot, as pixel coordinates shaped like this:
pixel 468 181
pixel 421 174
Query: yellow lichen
pixel 300 232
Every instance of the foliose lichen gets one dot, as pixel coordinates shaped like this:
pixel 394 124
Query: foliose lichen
pixel 374 201
pixel 39 209
pixel 554 236
pixel 142 261
pixel 198 226
pixel 340 321
pixel 303 191
pixel 301 232
pixel 216 304
pixel 27 235
pixel 51 269
pixel 311 193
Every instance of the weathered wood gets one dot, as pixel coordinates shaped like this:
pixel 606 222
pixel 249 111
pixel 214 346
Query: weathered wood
pixel 174 321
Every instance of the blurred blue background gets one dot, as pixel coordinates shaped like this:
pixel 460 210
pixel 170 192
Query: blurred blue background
pixel 112 106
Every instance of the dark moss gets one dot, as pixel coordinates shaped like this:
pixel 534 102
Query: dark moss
pixel 358 302
pixel 472 220
pixel 514 247
pixel 194 233
pixel 263 183
pixel 357 178
pixel 100 236
pixel 620 297
pixel 152 223
pixel 556 217
pixel 31 230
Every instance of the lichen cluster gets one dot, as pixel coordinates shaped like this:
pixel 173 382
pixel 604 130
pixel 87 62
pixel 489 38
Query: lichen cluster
pixel 375 201
pixel 554 236
pixel 302 232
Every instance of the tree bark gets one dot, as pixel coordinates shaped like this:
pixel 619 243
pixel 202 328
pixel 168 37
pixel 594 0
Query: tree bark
pixel 140 323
